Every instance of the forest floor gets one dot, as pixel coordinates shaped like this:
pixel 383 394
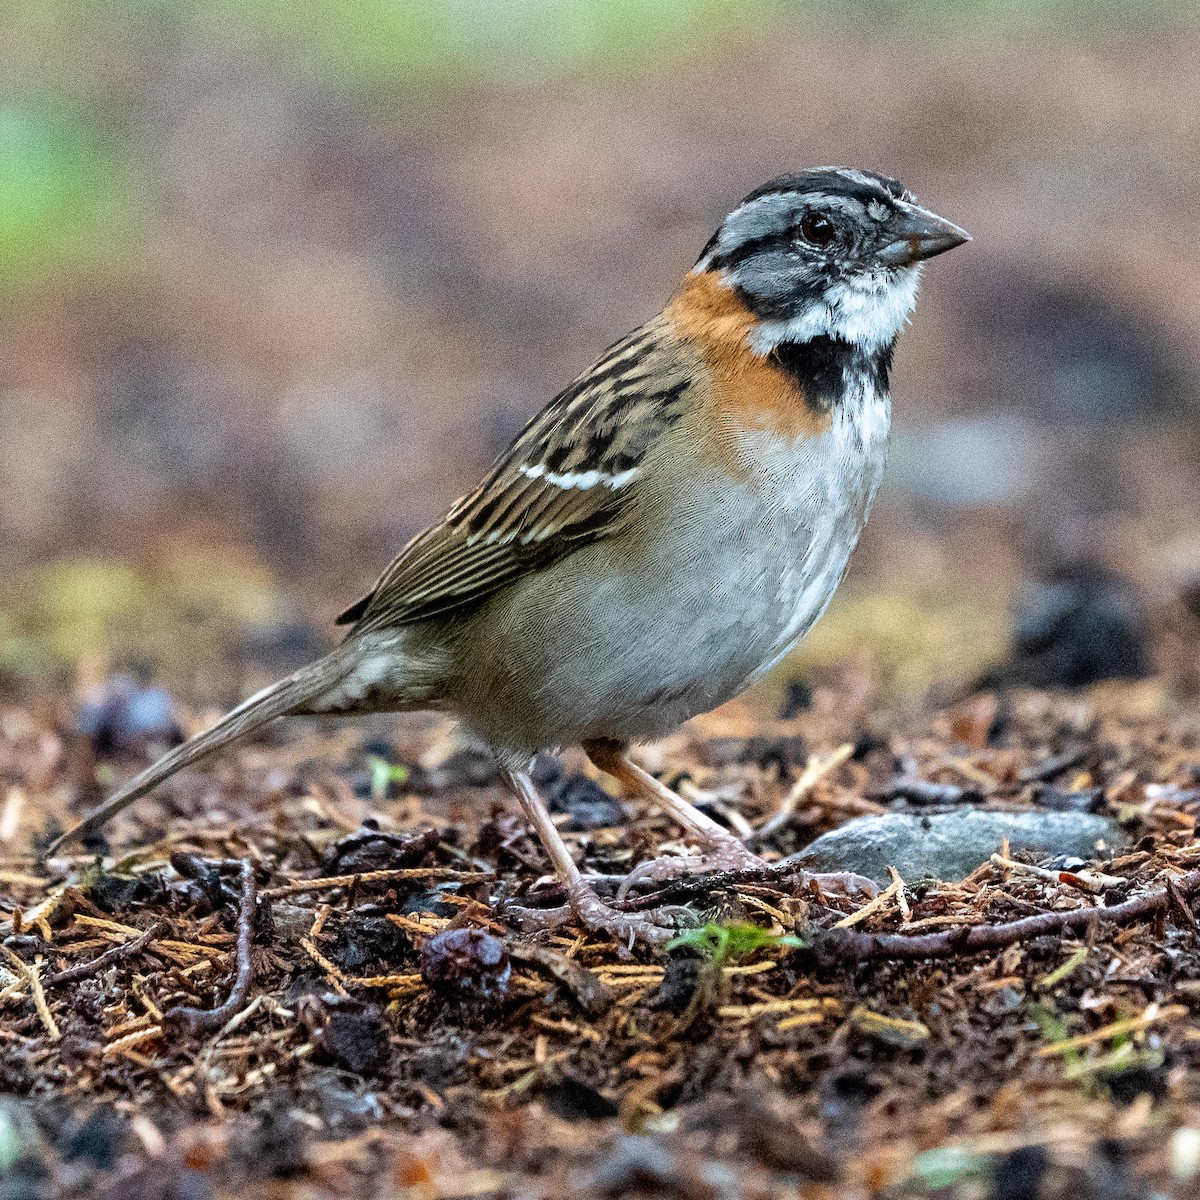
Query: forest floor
pixel 298 885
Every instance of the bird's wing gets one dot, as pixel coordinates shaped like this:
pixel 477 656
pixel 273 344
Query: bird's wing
pixel 570 478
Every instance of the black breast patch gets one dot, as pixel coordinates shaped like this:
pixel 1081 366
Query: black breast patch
pixel 822 366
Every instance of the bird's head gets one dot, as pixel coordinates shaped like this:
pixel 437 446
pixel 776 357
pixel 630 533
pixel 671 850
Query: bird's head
pixel 829 252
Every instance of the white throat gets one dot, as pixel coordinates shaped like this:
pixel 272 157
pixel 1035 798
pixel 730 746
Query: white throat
pixel 867 311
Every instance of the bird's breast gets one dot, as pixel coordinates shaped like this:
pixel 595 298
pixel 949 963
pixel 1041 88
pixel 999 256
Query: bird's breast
pixel 802 503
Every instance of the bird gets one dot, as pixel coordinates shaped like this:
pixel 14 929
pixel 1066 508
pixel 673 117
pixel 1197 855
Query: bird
pixel 659 535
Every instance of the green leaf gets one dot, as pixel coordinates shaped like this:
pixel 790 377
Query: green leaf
pixel 733 941
pixel 383 774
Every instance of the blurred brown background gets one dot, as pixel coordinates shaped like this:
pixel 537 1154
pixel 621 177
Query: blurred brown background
pixel 277 282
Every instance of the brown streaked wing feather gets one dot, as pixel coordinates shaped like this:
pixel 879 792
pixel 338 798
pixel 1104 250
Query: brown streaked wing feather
pixel 515 522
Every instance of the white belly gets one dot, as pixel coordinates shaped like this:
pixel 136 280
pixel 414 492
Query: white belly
pixel 629 648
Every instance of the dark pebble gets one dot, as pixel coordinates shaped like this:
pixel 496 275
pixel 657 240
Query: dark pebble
pixel 276 1147
pixel 1128 1084
pixel 797 699
pixel 356 1038
pixel 468 966
pixel 115 893
pixel 680 979
pixel 98 1139
pixel 1018 1175
pixel 1080 626
pixel 1058 800
pixel 574 1100
pixel 369 945
pixel 587 803
pixel 869 744
pixel 374 850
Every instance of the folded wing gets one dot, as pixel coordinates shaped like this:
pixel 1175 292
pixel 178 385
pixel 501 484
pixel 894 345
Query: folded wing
pixel 570 478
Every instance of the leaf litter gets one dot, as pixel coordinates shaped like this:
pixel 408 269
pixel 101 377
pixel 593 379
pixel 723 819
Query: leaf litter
pixel 269 977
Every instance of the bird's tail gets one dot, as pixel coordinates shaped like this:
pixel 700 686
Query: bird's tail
pixel 291 695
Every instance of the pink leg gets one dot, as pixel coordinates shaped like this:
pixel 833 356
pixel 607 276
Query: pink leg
pixel 727 852
pixel 583 902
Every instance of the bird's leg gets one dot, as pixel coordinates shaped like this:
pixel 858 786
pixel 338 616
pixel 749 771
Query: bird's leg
pixel 583 903
pixel 727 853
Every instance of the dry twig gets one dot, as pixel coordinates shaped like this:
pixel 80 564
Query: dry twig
pixel 1085 881
pixel 839 945
pixel 298 886
pixel 200 1020
pixel 103 961
pixel 32 976
pixel 816 770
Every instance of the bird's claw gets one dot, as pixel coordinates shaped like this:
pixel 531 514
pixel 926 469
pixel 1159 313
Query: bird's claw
pixel 845 884
pixel 655 927
pixel 727 857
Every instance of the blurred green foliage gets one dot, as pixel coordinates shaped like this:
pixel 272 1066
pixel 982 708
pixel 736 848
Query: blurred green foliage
pixel 399 42
pixel 70 176
pixel 185 607
pixel 732 941
pixel 63 193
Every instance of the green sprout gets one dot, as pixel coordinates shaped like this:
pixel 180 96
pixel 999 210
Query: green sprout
pixel 736 940
pixel 383 774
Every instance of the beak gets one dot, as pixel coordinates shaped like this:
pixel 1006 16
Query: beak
pixel 917 234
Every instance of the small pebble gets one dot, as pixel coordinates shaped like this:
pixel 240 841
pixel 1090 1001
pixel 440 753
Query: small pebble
pixel 468 966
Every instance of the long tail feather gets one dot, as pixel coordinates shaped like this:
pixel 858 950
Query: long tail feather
pixel 289 695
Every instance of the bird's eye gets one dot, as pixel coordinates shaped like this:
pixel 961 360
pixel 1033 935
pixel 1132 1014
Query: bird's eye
pixel 817 229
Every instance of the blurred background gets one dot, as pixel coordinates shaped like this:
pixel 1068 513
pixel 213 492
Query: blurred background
pixel 278 279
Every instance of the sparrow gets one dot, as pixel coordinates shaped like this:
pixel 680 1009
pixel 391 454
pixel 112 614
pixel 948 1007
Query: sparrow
pixel 661 534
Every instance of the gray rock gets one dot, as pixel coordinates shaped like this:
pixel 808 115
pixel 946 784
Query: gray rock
pixel 949 846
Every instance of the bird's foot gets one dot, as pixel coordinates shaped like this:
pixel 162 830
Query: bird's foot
pixel 726 856
pixel 842 884
pixel 655 927
pixel 735 857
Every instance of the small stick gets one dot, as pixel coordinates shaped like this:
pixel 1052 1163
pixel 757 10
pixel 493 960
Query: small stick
pixel 901 899
pixel 815 770
pixel 296 887
pixel 131 1039
pixel 841 946
pixel 1117 1028
pixel 1087 881
pixel 1179 906
pixel 33 977
pixel 332 972
pixel 872 906
pixel 102 962
pixel 200 1020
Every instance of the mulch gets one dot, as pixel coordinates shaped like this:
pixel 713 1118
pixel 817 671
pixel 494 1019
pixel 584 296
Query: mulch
pixel 296 972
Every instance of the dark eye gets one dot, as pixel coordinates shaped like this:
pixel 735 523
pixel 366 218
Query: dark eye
pixel 817 229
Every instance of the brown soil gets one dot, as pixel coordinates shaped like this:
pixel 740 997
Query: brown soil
pixel 1061 1065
